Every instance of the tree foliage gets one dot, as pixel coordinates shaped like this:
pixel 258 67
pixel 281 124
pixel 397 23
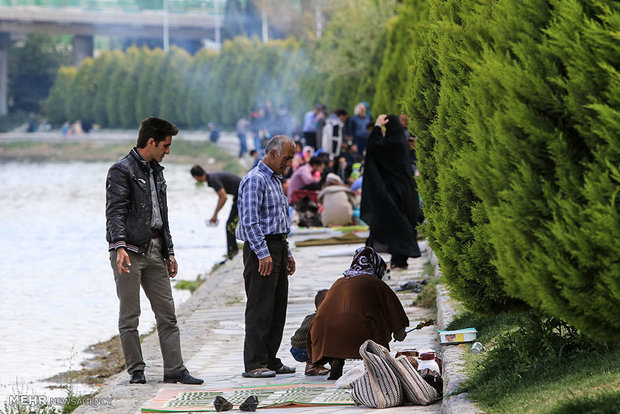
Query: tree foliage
pixel 455 217
pixel 545 124
pixel 32 69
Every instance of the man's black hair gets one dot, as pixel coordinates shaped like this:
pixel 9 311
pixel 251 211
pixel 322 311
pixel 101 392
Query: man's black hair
pixel 252 152
pixel 341 112
pixel 197 171
pixel 316 161
pixel 156 128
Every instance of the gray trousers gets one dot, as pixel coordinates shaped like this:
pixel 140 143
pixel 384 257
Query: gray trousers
pixel 148 270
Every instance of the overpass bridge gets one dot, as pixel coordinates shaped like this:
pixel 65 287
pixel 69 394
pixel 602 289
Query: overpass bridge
pixel 188 20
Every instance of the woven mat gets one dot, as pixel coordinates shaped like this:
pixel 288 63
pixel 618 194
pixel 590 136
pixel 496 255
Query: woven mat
pixel 347 238
pixel 298 394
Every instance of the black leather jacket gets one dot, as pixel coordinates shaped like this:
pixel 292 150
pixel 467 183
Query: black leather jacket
pixel 129 206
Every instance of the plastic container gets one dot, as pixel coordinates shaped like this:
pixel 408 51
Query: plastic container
pixel 209 224
pixel 460 336
pixel 427 361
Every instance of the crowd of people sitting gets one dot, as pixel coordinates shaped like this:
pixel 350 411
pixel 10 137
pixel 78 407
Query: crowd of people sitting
pixel 324 183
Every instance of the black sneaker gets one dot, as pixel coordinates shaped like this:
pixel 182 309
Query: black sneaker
pixel 184 378
pixel 137 377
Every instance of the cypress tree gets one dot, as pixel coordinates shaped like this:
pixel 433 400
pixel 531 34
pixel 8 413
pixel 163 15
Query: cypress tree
pixel 545 124
pixel 401 39
pixel 107 63
pixel 129 98
pixel 120 73
pixel 455 217
pixel 200 86
pixel 57 101
pixel 150 80
pixel 82 91
pixel 173 90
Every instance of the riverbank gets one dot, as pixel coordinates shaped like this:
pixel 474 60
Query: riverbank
pixel 189 147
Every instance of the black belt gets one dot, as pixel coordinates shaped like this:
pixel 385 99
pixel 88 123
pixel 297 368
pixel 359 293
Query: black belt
pixel 155 233
pixel 275 237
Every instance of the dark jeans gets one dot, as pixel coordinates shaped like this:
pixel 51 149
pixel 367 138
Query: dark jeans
pixel 265 311
pixel 231 229
pixel 300 354
pixel 243 144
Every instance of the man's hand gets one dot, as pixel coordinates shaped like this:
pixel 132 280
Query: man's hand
pixel 213 219
pixel 265 266
pixel 121 258
pixel 290 268
pixel 400 335
pixel 173 267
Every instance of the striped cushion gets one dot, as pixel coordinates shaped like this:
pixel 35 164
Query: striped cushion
pixel 417 391
pixel 378 387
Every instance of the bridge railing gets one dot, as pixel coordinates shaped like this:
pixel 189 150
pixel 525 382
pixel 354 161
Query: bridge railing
pixel 174 6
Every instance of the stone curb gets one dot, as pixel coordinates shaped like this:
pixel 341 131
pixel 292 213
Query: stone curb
pixel 452 357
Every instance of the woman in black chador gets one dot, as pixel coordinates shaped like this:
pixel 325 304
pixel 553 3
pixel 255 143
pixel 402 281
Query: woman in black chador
pixel 389 193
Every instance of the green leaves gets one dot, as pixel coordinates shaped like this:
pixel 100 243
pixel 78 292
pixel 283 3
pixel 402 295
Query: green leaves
pixel 515 104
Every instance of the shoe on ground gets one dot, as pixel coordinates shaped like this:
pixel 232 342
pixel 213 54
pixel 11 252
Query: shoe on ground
pixel 249 404
pixel 337 366
pixel 137 377
pixel 222 404
pixel 394 267
pixel 259 373
pixel 284 370
pixel 313 370
pixel 184 378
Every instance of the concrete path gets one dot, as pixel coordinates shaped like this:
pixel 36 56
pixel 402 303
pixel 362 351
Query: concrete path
pixel 212 332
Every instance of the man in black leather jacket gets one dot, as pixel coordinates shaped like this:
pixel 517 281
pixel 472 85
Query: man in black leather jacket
pixel 141 249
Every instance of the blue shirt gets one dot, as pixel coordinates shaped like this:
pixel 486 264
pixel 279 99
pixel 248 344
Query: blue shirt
pixel 263 208
pixel 309 122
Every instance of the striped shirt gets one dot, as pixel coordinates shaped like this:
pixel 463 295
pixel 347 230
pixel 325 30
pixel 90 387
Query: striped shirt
pixel 263 208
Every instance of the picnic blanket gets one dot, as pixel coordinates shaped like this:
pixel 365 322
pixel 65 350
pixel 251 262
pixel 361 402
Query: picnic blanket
pixel 184 400
pixel 346 238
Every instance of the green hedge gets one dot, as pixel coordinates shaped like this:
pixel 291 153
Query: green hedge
pixel 515 105
pixel 456 218
pixel 402 38
pixel 545 124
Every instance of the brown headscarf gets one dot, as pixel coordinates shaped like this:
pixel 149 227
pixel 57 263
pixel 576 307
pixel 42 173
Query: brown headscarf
pixel 366 262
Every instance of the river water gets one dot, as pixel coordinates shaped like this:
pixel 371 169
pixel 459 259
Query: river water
pixel 57 292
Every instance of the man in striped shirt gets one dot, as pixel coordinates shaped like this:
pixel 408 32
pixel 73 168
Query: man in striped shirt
pixel 264 224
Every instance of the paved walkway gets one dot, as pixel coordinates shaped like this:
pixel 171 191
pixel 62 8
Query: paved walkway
pixel 212 332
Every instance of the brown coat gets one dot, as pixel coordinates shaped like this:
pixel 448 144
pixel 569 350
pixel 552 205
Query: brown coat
pixel 354 310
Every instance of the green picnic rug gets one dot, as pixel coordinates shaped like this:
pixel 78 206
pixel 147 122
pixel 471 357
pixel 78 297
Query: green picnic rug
pixel 180 400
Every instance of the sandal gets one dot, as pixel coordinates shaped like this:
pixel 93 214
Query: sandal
pixel 284 370
pixel 315 370
pixel 259 373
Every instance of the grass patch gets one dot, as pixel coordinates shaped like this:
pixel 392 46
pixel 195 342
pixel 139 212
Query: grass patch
pixel 427 298
pixel 190 285
pixel 539 364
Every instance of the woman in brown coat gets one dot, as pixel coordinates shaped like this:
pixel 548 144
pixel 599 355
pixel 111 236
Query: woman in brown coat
pixel 358 306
